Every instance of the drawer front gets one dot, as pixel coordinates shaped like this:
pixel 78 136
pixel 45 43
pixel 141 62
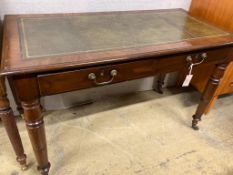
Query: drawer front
pixel 177 62
pixel 97 76
pixel 93 77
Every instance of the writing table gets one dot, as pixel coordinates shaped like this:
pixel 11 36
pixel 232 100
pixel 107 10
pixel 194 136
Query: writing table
pixel 50 54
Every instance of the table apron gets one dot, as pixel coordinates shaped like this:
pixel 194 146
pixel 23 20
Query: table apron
pixel 65 81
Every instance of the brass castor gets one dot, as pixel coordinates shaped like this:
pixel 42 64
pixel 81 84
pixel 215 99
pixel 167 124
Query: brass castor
pixel 195 122
pixel 24 167
pixel 44 170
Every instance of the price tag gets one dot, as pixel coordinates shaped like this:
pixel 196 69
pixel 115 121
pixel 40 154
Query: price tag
pixel 187 80
pixel 189 77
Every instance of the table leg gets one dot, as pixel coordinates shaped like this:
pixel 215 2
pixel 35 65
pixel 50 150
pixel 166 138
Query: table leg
pixel 35 126
pixel 160 83
pixel 9 123
pixel 208 94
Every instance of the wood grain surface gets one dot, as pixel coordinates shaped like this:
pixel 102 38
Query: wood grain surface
pixel 13 63
pixel 219 13
pixel 33 78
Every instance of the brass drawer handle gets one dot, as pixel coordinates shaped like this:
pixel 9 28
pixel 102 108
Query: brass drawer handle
pixel 203 57
pixel 231 84
pixel 92 76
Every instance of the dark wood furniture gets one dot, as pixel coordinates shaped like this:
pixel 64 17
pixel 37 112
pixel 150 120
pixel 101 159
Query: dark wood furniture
pixel 50 54
pixel 8 119
pixel 160 82
pixel 220 14
pixel 9 123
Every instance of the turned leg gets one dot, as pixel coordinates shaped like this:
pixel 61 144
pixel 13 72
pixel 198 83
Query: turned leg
pixel 160 83
pixel 208 94
pixel 10 125
pixel 35 126
pixel 211 104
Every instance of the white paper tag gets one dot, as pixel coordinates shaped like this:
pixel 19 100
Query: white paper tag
pixel 187 80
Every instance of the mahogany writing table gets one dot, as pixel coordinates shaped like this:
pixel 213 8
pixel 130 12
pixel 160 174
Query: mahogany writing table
pixel 50 54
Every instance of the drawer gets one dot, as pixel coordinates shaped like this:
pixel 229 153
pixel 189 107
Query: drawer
pixel 60 82
pixel 177 62
pixel 93 77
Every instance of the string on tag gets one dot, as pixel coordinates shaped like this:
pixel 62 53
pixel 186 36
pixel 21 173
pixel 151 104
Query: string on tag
pixel 195 64
pixel 190 69
pixel 189 77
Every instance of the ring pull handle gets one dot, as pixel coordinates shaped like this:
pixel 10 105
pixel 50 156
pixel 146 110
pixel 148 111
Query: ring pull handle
pixel 92 76
pixel 203 57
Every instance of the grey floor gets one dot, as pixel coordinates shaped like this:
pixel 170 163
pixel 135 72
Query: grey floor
pixel 134 134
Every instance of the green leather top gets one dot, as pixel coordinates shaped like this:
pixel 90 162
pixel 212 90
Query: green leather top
pixel 64 35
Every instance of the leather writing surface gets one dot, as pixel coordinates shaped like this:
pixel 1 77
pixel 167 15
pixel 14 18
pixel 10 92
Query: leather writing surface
pixel 64 35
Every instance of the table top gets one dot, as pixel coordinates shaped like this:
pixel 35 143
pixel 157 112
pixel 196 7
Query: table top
pixel 34 43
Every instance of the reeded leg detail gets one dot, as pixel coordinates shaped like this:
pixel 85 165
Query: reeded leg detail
pixel 35 126
pixel 209 93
